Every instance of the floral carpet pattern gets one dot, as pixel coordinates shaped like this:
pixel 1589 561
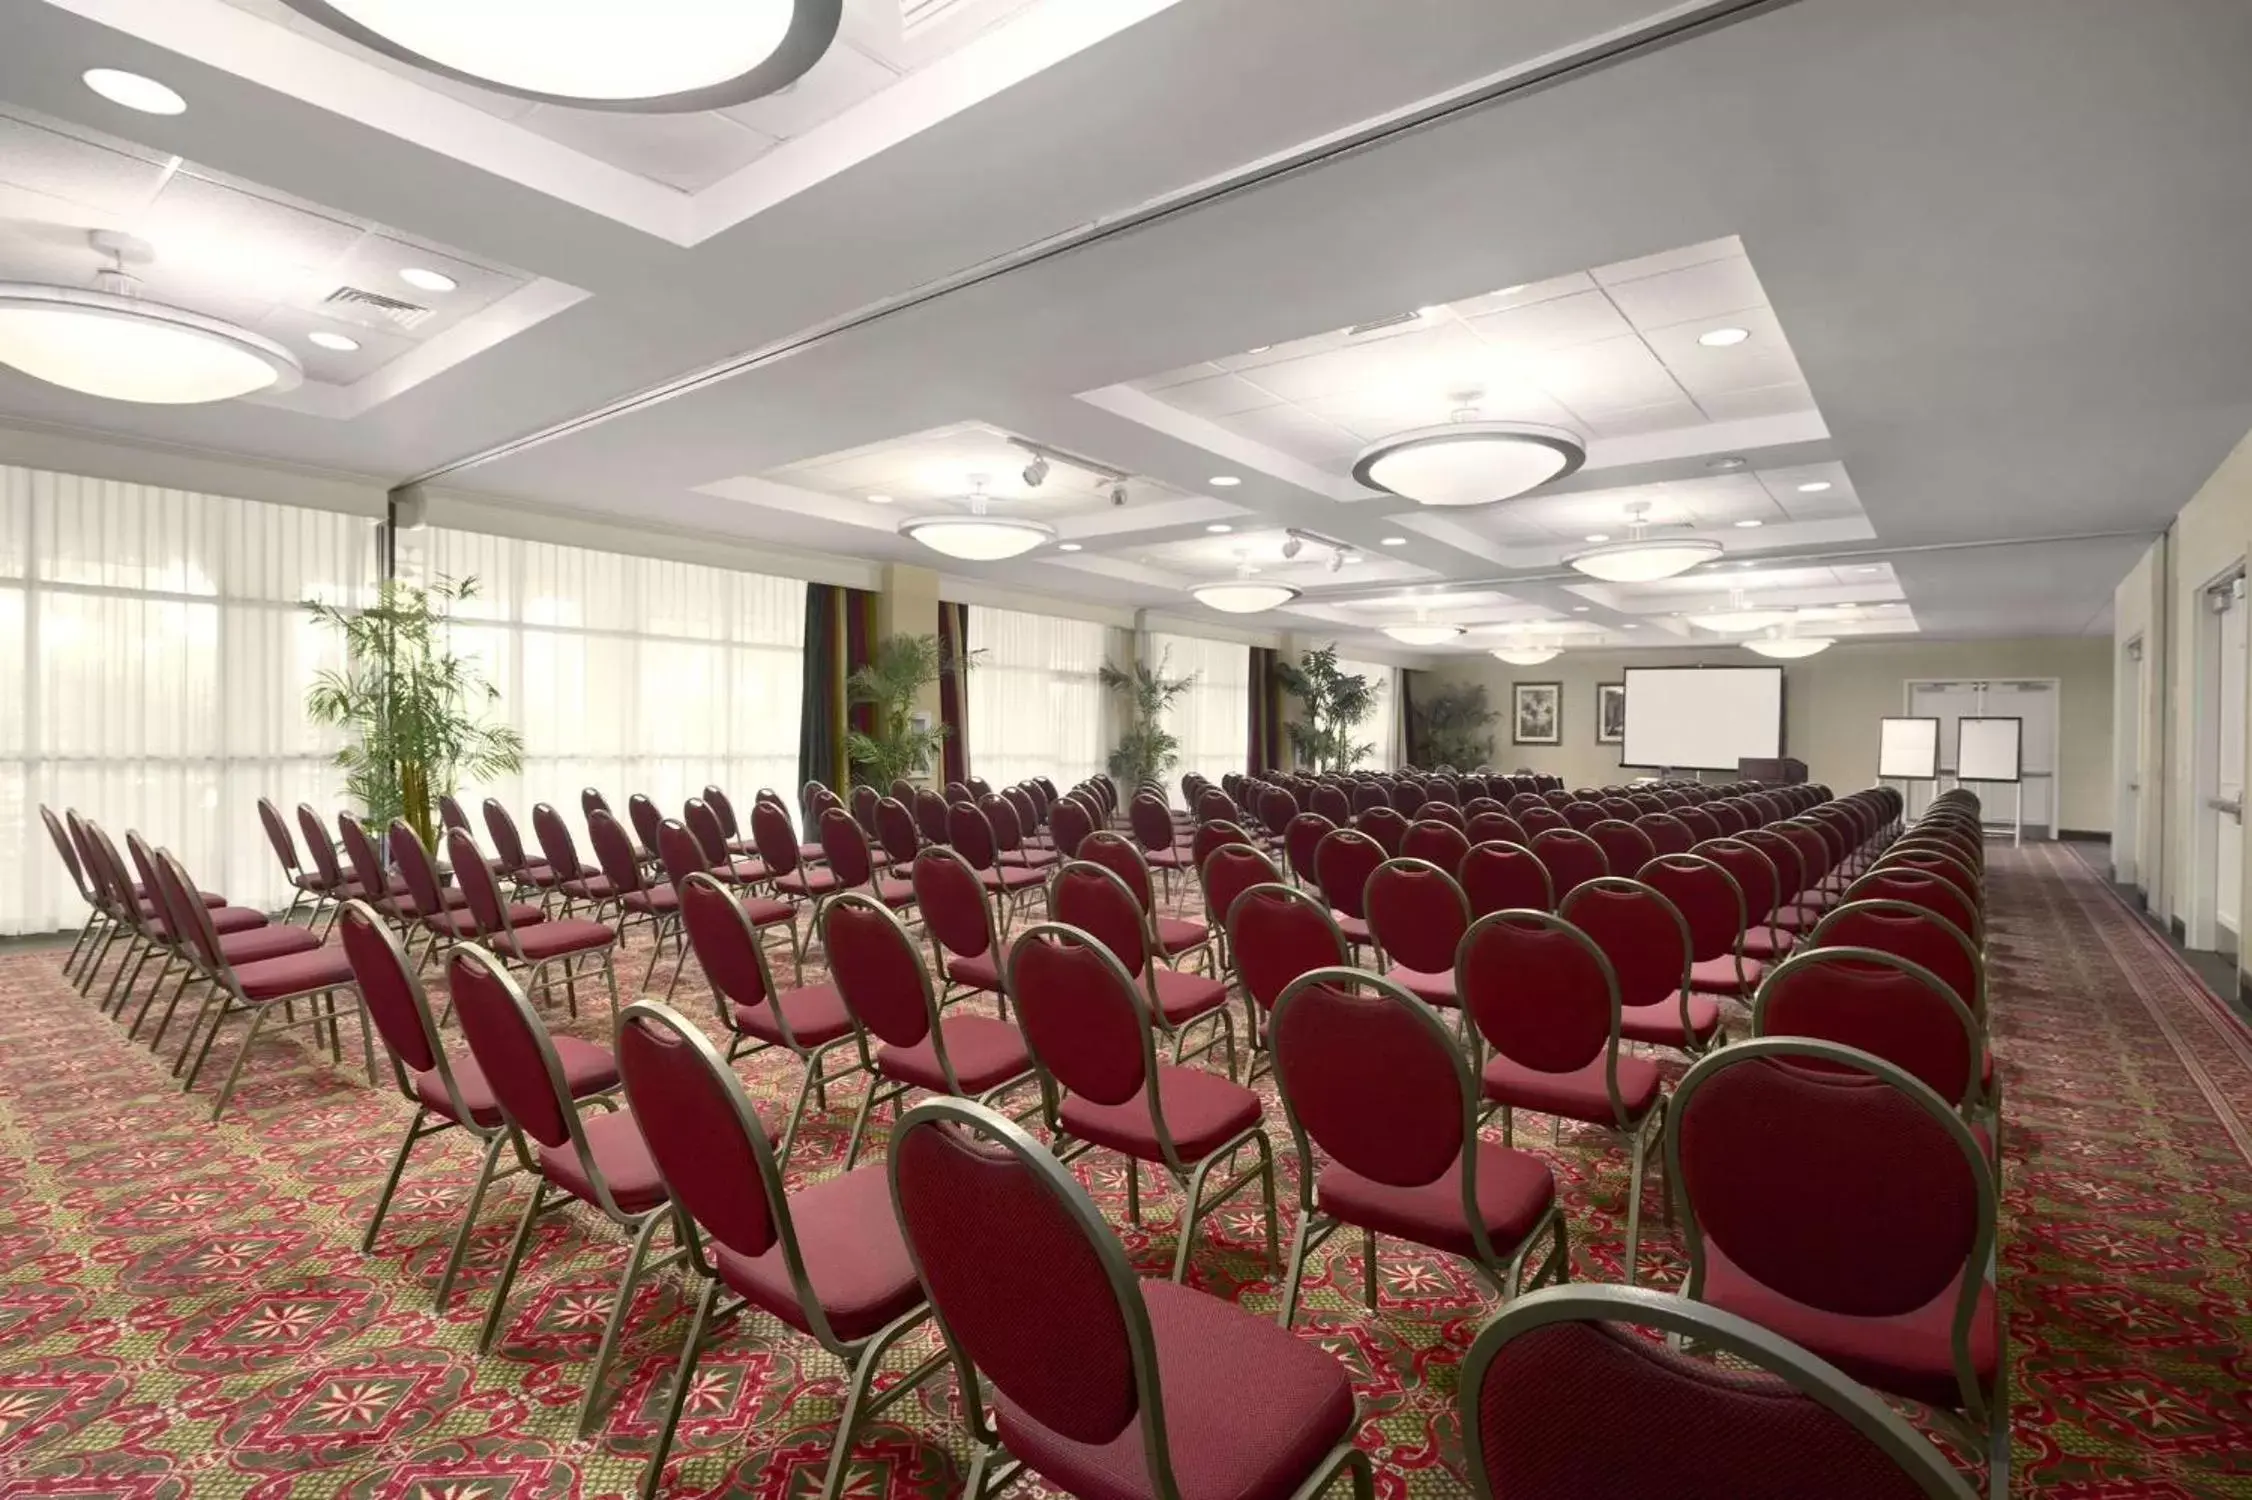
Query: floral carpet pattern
pixel 184 1310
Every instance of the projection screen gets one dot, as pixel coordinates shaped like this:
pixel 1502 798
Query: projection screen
pixel 1702 718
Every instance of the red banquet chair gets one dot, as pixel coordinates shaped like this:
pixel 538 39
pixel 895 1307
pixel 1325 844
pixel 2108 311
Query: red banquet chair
pixel 1368 1073
pixel 1505 877
pixel 1069 823
pixel 1094 899
pixel 1913 932
pixel 1277 933
pixel 1438 810
pixel 1102 1383
pixel 1388 826
pixel 1010 887
pixel 245 935
pixel 302 882
pixel 966 945
pixel 1571 857
pixel 1151 823
pixel 1546 1002
pixel 1712 907
pixel 1884 1005
pixel 1438 843
pixel 1217 834
pixel 1829 1197
pixel 684 856
pixel 1094 1040
pixel 1417 914
pixel 599 1159
pixel 1232 870
pixel 873 964
pixel 1343 863
pixel 1934 893
pixel 896 832
pixel 1010 843
pixel 1625 847
pixel 1172 938
pixel 1562 1399
pixel 448 1092
pixel 1667 833
pixel 845 849
pixel 517 866
pixel 828 1260
pixel 1301 839
pixel 1496 827
pixel 1647 942
pixel 577 883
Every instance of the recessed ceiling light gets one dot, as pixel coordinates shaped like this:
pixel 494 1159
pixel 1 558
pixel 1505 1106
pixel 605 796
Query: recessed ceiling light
pixel 1259 348
pixel 879 499
pixel 1395 541
pixel 1225 481
pixel 1749 525
pixel 429 281
pixel 1814 487
pixel 1721 338
pixel 135 92
pixel 1067 547
pixel 1872 570
pixel 1630 625
pixel 1579 609
pixel 1849 608
pixel 1429 312
pixel 1728 465
pixel 1599 536
pixel 1219 528
pixel 1511 291
pixel 336 341
pixel 1350 557
pixel 1747 565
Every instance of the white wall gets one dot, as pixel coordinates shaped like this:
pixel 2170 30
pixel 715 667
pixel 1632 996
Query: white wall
pixel 1832 703
pixel 2138 612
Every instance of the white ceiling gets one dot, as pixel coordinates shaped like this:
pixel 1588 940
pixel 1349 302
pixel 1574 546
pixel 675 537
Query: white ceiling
pixel 1990 257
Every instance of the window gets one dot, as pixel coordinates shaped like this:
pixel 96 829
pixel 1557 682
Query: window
pixel 629 674
pixel 1035 697
pixel 1213 718
pixel 153 667
pixel 1376 727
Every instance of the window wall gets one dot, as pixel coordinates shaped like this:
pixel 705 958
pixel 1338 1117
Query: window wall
pixel 1213 718
pixel 1035 697
pixel 1378 727
pixel 153 666
pixel 629 674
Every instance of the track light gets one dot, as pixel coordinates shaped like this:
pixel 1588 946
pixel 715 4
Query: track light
pixel 1336 561
pixel 1118 492
pixel 1292 548
pixel 1036 471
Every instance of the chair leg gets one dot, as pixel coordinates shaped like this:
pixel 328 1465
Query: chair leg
pixel 1634 1210
pixel 113 998
pixel 1368 1265
pixel 532 1207
pixel 610 981
pixel 856 1399
pixel 1296 1271
pixel 234 1074
pixel 85 930
pixel 216 1006
pixel 797 1110
pixel 460 1250
pixel 1267 1192
pixel 591 1404
pixel 860 1121
pixel 391 1180
pixel 149 1000
pixel 677 1401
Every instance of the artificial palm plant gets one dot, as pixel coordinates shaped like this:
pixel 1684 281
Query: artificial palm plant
pixel 1451 726
pixel 1335 703
pixel 413 707
pixel 901 668
pixel 1146 751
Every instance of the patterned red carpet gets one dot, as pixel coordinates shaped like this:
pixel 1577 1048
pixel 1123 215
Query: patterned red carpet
pixel 184 1310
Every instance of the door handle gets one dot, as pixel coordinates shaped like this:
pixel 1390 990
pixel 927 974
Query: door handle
pixel 2233 808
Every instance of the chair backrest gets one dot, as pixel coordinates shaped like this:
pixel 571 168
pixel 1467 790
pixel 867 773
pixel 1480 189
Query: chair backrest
pixel 1933 862
pixel 1367 796
pixel 1782 857
pixel 844 847
pixel 1031 1288
pixel 614 852
pixel 1932 892
pixel 415 867
pixel 320 848
pixel 1232 870
pixel 450 812
pixel 269 818
pixel 704 824
pixel 1541 993
pixel 1617 807
pixel 679 852
pixel 1095 900
pixel 1534 1429
pixel 1329 800
pixel 864 799
pixel 176 895
pixel 1830 1176
pixel 1706 895
pixel 1729 814
pixel 1437 810
pixel 1572 859
pixel 1625 847
pixel 1417 914
pixel 1583 815
pixel 1638 930
pixel 1436 842
pixel 1813 852
pixel 775 839
pixel 1001 817
pixel 145 866
pixel 1369 1074
pixel 1278 932
pixel 704 1135
pixel 873 964
pixel 1301 838
pixel 1211 804
pixel 557 847
pixel 971 835
pixel 487 908
pixel 1387 825
pixel 1915 933
pixel 896 831
pixel 367 865
pixel 1123 858
pixel 1151 822
pixel 508 844
pixel 1342 865
pixel 1276 807
pixel 1084 1019
pixel 646 819
pixel 1541 818
pixel 728 950
pixel 952 901
pixel 513 1049
pixel 392 991
pixel 1494 826
pixel 930 816
pixel 1069 823
pixel 1666 832
pixel 591 801
pixel 1501 876
pixel 1882 1004
pixel 1408 795
pixel 1217 834
pixel 715 797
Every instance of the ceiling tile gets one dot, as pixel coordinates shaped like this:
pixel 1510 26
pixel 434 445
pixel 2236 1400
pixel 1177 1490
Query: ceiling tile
pixel 1760 401
pixel 1525 295
pixel 1694 293
pixel 1763 359
pixel 212 224
pixel 687 151
pixel 1583 318
pixel 1429 363
pixel 1217 396
pixel 1666 416
pixel 842 78
pixel 63 166
pixel 290 326
pixel 1668 260
pixel 1297 432
pixel 1612 375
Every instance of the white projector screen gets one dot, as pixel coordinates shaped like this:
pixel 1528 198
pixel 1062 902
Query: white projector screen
pixel 1908 749
pixel 1702 718
pixel 1987 749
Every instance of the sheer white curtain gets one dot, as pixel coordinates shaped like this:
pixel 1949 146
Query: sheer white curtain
pixel 1213 718
pixel 628 674
pixel 1380 725
pixel 1035 697
pixel 153 667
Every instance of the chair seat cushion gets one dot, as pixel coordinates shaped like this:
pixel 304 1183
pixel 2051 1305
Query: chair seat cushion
pixel 460 924
pixel 980 972
pixel 1431 989
pixel 539 874
pixel 652 900
pixel 1795 918
pixel 587 1069
pixel 1009 878
pixel 1175 936
pixel 591 888
pixel 1175 858
pixel 1514 1189
pixel 1581 1094
pixel 854 1255
pixel 208 898
pixel 740 871
pixel 408 909
pixel 816 1014
pixel 1355 929
pixel 1203 1111
pixel 1766 946
pixel 257 944
pixel 765 911
pixel 1720 976
pixel 893 893
pixel 301 973
pixel 227 920
pixel 545 940
pixel 985 1053
pixel 1910 1355
pixel 1033 859
pixel 1250 1409
pixel 807 882
pixel 1660 1024
pixel 311 881
pixel 614 1140
pixel 1181 998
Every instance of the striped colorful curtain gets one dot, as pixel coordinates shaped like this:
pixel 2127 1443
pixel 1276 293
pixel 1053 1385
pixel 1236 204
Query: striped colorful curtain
pixel 1265 749
pixel 840 636
pixel 953 688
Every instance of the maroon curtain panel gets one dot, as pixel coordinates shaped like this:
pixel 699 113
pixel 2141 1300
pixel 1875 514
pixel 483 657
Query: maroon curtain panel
pixel 953 704
pixel 1264 753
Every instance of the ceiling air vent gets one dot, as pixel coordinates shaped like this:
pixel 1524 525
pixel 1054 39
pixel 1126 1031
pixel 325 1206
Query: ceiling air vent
pixel 1394 321
pixel 366 306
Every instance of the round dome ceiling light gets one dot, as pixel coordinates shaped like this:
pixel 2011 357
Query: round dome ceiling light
pixel 1525 656
pixel 1242 595
pixel 1642 559
pixel 977 536
pixel 654 56
pixel 1790 647
pixel 110 343
pixel 1468 461
pixel 1739 617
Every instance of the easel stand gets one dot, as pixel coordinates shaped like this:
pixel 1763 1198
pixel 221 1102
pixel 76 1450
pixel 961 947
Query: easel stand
pixel 2017 812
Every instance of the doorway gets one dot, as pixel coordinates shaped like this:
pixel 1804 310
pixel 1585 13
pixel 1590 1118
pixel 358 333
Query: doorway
pixel 2217 848
pixel 2128 718
pixel 2033 701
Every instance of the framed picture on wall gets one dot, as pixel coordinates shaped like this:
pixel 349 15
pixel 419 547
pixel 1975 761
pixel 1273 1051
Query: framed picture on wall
pixel 1538 716
pixel 1610 713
